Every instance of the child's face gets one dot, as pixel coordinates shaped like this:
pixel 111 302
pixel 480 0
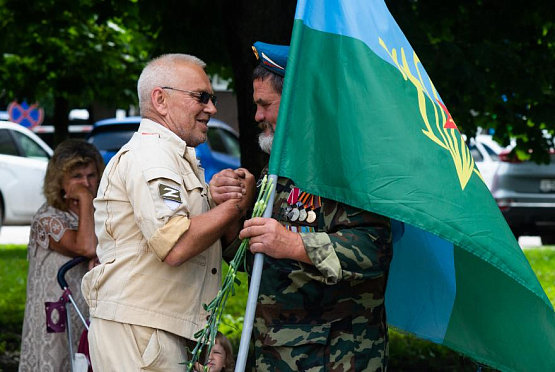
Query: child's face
pixel 216 361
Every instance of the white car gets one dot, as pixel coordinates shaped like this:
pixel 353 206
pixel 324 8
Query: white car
pixel 485 152
pixel 23 160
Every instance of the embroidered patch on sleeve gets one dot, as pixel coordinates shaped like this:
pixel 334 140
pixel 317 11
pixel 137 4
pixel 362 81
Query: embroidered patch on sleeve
pixel 169 193
pixel 173 205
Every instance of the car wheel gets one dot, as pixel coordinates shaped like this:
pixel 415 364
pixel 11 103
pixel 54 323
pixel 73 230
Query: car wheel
pixel 548 239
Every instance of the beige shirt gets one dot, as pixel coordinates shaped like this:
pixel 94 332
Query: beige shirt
pixel 147 194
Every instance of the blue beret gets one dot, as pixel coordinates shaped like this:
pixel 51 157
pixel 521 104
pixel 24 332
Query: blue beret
pixel 273 57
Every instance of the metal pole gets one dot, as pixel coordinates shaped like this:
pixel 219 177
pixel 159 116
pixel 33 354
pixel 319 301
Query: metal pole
pixel 254 286
pixel 78 312
pixel 69 338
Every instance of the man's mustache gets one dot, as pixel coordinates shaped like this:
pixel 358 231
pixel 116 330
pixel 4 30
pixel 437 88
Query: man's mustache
pixel 263 125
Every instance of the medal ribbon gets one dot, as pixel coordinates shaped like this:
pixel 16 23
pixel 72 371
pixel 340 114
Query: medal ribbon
pixel 303 198
pixel 318 203
pixel 293 196
pixel 309 201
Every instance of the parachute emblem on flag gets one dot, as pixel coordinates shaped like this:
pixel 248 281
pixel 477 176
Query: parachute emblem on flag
pixel 444 131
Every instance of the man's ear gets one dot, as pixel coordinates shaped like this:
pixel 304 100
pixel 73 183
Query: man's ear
pixel 159 101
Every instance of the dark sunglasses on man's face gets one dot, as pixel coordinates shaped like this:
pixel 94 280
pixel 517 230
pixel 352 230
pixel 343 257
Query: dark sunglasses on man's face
pixel 202 97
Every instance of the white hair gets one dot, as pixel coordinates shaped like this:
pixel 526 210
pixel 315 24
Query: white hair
pixel 160 72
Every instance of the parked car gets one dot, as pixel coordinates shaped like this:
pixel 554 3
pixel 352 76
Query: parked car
pixel 485 152
pixel 525 193
pixel 220 151
pixel 23 160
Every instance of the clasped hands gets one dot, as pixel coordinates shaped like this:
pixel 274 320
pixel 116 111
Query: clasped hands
pixel 266 235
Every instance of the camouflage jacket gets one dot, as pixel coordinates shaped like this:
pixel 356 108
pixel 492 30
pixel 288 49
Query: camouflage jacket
pixel 329 316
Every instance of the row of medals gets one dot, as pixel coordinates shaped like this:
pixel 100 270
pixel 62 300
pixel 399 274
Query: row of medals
pixel 297 213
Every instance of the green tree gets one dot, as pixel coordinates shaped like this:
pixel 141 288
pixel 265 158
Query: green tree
pixel 492 62
pixel 493 65
pixel 222 33
pixel 71 53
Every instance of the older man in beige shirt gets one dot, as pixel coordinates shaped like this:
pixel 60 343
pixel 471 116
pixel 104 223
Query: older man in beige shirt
pixel 158 238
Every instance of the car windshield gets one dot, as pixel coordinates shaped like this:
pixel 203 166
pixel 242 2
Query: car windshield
pixel 111 141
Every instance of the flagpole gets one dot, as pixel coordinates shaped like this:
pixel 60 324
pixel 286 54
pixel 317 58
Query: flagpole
pixel 254 286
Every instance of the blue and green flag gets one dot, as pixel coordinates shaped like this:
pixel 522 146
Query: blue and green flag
pixel 361 122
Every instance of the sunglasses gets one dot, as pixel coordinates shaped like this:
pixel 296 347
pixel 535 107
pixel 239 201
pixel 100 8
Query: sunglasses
pixel 202 97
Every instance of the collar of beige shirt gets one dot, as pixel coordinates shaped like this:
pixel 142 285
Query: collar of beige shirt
pixel 149 127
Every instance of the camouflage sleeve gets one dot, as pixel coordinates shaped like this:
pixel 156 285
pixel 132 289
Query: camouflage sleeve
pixel 356 245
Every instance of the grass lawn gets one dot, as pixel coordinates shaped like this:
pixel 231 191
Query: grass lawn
pixel 542 261
pixel 407 353
pixel 13 281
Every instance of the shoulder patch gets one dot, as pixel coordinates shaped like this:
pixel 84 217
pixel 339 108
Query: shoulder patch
pixel 169 193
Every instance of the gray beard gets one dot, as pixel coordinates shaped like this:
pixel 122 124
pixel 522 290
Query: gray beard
pixel 265 142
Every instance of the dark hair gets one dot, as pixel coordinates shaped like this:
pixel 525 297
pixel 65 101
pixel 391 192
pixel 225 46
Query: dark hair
pixel 262 73
pixel 69 155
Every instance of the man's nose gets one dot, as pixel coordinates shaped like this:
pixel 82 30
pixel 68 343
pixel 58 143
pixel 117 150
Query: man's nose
pixel 210 107
pixel 259 116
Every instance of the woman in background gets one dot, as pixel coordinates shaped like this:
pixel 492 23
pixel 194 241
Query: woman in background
pixel 62 228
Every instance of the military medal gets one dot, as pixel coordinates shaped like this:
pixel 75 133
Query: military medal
pixel 287 211
pixel 315 203
pixel 311 216
pixel 291 212
pixel 301 206
pixel 293 215
pixel 302 215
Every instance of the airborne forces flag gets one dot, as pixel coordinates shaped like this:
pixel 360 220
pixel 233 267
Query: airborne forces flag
pixel 382 139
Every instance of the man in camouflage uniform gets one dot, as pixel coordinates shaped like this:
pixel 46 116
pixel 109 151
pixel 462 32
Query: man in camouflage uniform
pixel 321 300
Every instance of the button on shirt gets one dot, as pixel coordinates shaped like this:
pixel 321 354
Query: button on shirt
pixel 148 193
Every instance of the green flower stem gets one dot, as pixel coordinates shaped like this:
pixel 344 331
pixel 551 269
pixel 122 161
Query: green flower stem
pixel 206 337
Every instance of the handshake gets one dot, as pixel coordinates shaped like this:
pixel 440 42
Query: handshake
pixel 266 235
pixel 237 186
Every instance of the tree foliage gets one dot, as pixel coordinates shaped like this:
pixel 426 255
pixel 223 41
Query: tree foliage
pixel 222 34
pixel 492 62
pixel 70 53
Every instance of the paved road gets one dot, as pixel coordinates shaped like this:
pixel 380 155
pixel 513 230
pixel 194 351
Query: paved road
pixel 14 234
pixel 20 235
pixel 529 241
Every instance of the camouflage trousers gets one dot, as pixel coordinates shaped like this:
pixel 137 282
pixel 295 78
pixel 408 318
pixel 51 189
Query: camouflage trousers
pixel 329 347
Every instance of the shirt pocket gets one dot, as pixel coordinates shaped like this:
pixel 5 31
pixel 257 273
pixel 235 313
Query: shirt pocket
pixel 196 194
pixel 192 182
